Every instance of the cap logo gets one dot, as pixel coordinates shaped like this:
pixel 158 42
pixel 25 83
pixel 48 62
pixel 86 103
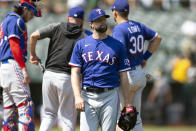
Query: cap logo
pixel 99 11
pixel 75 15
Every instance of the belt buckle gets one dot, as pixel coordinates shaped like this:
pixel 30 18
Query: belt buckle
pixel 88 89
pixel 98 90
pixel 106 89
pixel 84 88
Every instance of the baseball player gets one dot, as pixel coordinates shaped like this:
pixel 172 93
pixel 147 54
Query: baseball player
pixel 13 71
pixel 103 64
pixel 133 35
pixel 56 87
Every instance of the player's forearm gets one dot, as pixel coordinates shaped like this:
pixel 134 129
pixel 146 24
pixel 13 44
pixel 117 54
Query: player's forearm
pixel 75 81
pixel 154 44
pixel 17 52
pixel 33 40
pixel 124 84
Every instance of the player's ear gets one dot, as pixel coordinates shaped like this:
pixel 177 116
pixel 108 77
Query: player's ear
pixel 25 8
pixel 116 13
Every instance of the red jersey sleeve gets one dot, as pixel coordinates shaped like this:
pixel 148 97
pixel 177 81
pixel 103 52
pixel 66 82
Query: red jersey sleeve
pixel 16 51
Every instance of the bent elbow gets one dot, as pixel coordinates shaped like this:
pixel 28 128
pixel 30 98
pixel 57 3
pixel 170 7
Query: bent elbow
pixel 35 35
pixel 159 38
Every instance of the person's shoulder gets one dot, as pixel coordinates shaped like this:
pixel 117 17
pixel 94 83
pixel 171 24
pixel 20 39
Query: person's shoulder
pixel 119 28
pixel 52 26
pixel 85 39
pixel 113 40
pixel 122 26
pixel 133 22
pixel 17 20
pixel 140 24
pixel 12 16
pixel 56 24
pixel 87 32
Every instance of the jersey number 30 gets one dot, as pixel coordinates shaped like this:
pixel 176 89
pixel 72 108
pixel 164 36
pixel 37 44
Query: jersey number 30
pixel 137 43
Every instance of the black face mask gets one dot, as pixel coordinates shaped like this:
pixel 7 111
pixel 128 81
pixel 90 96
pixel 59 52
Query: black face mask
pixel 101 28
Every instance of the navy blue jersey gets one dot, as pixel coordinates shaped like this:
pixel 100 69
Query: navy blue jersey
pixel 13 26
pixel 100 61
pixel 132 35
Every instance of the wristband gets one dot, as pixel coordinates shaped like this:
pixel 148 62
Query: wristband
pixel 147 55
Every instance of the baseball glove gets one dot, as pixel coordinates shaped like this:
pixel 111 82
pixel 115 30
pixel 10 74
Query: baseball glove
pixel 128 118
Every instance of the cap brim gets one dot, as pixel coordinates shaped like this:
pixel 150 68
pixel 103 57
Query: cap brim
pixel 32 8
pixel 106 16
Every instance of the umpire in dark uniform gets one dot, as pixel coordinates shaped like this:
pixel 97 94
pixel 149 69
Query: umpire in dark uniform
pixel 56 88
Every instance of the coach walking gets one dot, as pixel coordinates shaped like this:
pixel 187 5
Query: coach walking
pixel 103 63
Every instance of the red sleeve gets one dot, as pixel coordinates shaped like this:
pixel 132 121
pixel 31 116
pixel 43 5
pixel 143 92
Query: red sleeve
pixel 16 51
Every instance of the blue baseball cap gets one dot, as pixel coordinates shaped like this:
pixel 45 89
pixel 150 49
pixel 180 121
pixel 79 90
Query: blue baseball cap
pixel 120 5
pixel 95 14
pixel 31 6
pixel 76 12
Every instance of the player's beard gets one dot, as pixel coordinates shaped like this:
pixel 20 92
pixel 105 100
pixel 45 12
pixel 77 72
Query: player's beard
pixel 101 28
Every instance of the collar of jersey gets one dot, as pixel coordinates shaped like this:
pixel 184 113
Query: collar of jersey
pixel 13 13
pixel 99 39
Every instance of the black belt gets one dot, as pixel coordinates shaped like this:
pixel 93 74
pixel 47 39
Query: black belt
pixel 96 89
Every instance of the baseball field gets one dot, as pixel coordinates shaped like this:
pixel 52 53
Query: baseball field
pixel 155 128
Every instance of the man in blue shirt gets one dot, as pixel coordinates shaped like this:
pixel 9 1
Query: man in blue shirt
pixel 103 63
pixel 133 35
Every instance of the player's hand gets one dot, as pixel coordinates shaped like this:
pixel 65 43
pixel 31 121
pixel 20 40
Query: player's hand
pixel 79 103
pixel 34 59
pixel 144 63
pixel 149 77
pixel 26 76
pixel 127 104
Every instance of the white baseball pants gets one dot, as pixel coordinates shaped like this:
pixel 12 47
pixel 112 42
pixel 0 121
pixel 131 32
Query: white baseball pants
pixel 58 98
pixel 137 79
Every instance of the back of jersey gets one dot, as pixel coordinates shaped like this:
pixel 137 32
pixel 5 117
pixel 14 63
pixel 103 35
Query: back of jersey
pixel 132 35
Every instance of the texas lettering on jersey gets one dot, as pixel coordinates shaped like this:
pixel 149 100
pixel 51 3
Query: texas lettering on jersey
pixel 98 56
pixel 100 61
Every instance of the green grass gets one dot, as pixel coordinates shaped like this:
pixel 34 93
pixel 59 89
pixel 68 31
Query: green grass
pixel 154 128
pixel 169 128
